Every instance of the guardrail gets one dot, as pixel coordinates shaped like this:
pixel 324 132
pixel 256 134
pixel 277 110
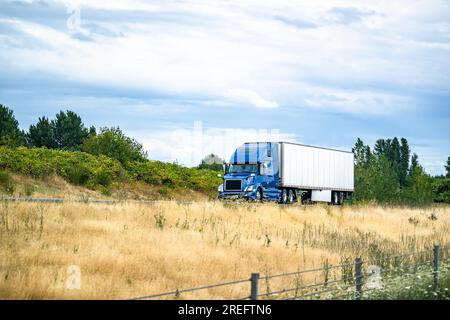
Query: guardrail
pixel 355 280
pixel 87 200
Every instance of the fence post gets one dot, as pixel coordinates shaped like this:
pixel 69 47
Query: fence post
pixel 358 278
pixel 436 251
pixel 254 286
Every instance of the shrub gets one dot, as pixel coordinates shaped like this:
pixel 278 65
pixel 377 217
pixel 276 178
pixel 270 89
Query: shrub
pixel 103 177
pixel 78 176
pixel 75 167
pixel 101 171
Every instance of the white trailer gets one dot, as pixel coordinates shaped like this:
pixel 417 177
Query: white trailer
pixel 325 174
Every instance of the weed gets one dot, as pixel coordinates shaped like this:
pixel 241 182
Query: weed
pixel 160 220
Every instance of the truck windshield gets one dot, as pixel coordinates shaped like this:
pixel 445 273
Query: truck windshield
pixel 241 168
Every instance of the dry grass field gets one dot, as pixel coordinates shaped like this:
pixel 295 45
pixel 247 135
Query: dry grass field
pixel 129 250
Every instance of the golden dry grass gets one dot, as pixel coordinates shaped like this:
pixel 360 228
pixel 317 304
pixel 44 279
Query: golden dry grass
pixel 130 249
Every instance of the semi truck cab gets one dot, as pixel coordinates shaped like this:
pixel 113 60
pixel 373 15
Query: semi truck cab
pixel 252 173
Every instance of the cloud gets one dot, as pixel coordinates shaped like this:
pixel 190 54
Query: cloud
pixel 246 97
pixel 264 56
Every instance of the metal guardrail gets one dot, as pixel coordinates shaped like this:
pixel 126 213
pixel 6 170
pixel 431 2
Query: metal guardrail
pixel 317 290
pixel 87 200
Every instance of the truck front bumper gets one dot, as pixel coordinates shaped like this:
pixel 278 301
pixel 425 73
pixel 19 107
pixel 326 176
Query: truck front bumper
pixel 237 195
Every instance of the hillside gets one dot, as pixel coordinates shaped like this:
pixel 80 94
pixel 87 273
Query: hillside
pixel 44 172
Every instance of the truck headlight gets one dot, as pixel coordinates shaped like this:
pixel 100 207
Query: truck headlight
pixel 249 188
pixel 220 188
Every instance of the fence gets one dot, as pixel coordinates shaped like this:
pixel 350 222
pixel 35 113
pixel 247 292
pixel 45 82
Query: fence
pixel 356 279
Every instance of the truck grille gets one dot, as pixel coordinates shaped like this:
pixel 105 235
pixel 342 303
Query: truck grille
pixel 233 185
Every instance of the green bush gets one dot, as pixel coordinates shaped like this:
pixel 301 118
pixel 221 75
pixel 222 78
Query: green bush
pixel 75 167
pixel 100 172
pixel 78 176
pixel 103 177
pixel 174 176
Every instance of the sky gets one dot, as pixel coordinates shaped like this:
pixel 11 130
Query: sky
pixel 187 78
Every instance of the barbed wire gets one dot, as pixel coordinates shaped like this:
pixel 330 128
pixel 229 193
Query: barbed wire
pixel 177 292
pixel 392 273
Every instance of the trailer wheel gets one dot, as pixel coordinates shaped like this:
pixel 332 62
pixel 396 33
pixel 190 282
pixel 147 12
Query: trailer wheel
pixel 284 196
pixel 291 196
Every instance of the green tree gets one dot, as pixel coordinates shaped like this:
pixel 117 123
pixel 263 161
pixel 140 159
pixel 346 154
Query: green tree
pixel 441 187
pixel 404 161
pixel 41 134
pixel 419 187
pixel 362 153
pixel 380 147
pixel 447 167
pixel 211 162
pixel 378 181
pixel 414 163
pixel 92 131
pixel 10 134
pixel 395 150
pixel 112 142
pixel 69 131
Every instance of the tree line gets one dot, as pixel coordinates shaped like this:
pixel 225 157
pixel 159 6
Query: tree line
pixel 388 173
pixel 68 132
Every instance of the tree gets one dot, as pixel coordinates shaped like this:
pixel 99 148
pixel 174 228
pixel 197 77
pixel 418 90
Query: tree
pixel 420 187
pixel 447 167
pixel 211 162
pixel 362 153
pixel 441 187
pixel 404 161
pixel 41 134
pixel 113 143
pixel 69 131
pixel 92 131
pixel 378 181
pixel 395 151
pixel 380 147
pixel 414 163
pixel 10 134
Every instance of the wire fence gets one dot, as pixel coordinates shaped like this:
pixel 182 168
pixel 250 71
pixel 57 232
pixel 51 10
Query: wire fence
pixel 347 281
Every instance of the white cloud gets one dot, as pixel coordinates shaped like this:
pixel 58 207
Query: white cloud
pixel 252 53
pixel 250 97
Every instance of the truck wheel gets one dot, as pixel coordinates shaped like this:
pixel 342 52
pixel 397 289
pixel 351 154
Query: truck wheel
pixel 259 195
pixel 291 196
pixel 284 196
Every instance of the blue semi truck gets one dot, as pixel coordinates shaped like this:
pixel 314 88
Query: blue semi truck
pixel 287 172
